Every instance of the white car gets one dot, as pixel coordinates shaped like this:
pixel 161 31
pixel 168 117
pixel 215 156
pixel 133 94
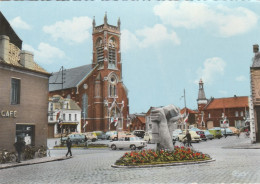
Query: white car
pixel 127 142
pixel 175 134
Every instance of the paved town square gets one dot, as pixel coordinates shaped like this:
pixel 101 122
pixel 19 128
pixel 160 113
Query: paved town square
pixel 94 166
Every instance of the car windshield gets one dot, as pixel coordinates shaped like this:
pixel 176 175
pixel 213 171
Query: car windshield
pixel 134 139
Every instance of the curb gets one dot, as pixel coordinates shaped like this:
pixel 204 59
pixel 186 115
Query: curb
pixel 239 147
pixel 32 163
pixel 163 165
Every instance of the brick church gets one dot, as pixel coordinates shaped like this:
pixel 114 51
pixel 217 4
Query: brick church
pixel 98 87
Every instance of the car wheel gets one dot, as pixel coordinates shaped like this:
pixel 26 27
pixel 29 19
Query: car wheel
pixel 113 147
pixel 133 147
pixel 93 140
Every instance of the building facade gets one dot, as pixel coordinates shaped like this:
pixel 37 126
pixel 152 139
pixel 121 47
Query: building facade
pixel 23 93
pixel 137 122
pixel 255 96
pixel 64 116
pixel 234 110
pixel 98 87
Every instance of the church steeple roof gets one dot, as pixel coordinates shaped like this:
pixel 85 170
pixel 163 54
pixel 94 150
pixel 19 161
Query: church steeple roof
pixel 201 95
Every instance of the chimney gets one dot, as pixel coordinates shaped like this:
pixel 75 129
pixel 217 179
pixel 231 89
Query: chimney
pixel 255 48
pixel 4 48
pixel 26 59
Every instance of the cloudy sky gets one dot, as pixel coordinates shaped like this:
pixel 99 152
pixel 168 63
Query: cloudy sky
pixel 166 46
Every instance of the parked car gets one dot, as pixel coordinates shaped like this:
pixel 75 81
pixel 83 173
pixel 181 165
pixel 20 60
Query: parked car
pixel 109 134
pixel 216 132
pixel 202 135
pixel 208 135
pixel 100 135
pixel 75 138
pixel 139 133
pixel 226 131
pixel 194 136
pixel 91 136
pixel 234 130
pixel 148 137
pixel 175 134
pixel 127 143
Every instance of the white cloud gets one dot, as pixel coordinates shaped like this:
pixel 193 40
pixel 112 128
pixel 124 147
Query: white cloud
pixel 156 35
pixel 18 23
pixel 212 68
pixel 218 19
pixel 45 54
pixel 147 37
pixel 75 30
pixel 241 78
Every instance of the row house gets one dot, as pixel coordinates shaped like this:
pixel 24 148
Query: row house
pixel 64 116
pixel 23 92
pixel 234 110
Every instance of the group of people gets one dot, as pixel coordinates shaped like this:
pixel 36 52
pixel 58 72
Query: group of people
pixel 20 146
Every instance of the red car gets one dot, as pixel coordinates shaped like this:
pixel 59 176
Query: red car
pixel 202 135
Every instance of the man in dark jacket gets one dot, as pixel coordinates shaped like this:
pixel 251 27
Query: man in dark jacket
pixel 19 147
pixel 69 143
pixel 188 136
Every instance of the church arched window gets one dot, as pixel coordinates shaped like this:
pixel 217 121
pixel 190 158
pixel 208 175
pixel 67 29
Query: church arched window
pixel 112 86
pixel 99 50
pixel 112 52
pixel 84 106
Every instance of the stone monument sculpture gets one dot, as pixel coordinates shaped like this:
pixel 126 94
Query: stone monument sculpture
pixel 163 120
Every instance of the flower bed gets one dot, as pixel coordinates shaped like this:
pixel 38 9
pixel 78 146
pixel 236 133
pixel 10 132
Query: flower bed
pixel 150 157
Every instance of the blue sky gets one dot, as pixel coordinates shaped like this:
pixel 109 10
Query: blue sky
pixel 166 46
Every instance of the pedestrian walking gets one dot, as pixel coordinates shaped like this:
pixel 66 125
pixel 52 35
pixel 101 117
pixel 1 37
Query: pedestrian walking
pixel 238 133
pixel 188 136
pixel 69 143
pixel 225 133
pixel 19 147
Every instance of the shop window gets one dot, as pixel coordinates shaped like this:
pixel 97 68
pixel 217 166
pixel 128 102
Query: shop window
pixel 26 133
pixel 15 92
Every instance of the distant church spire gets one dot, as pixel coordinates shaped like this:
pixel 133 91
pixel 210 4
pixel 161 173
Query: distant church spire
pixel 94 22
pixel 105 19
pixel 118 23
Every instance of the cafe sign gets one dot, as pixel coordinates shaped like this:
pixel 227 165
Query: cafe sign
pixel 8 114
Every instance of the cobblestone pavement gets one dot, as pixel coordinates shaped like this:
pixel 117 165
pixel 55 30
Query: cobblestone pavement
pixel 94 166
